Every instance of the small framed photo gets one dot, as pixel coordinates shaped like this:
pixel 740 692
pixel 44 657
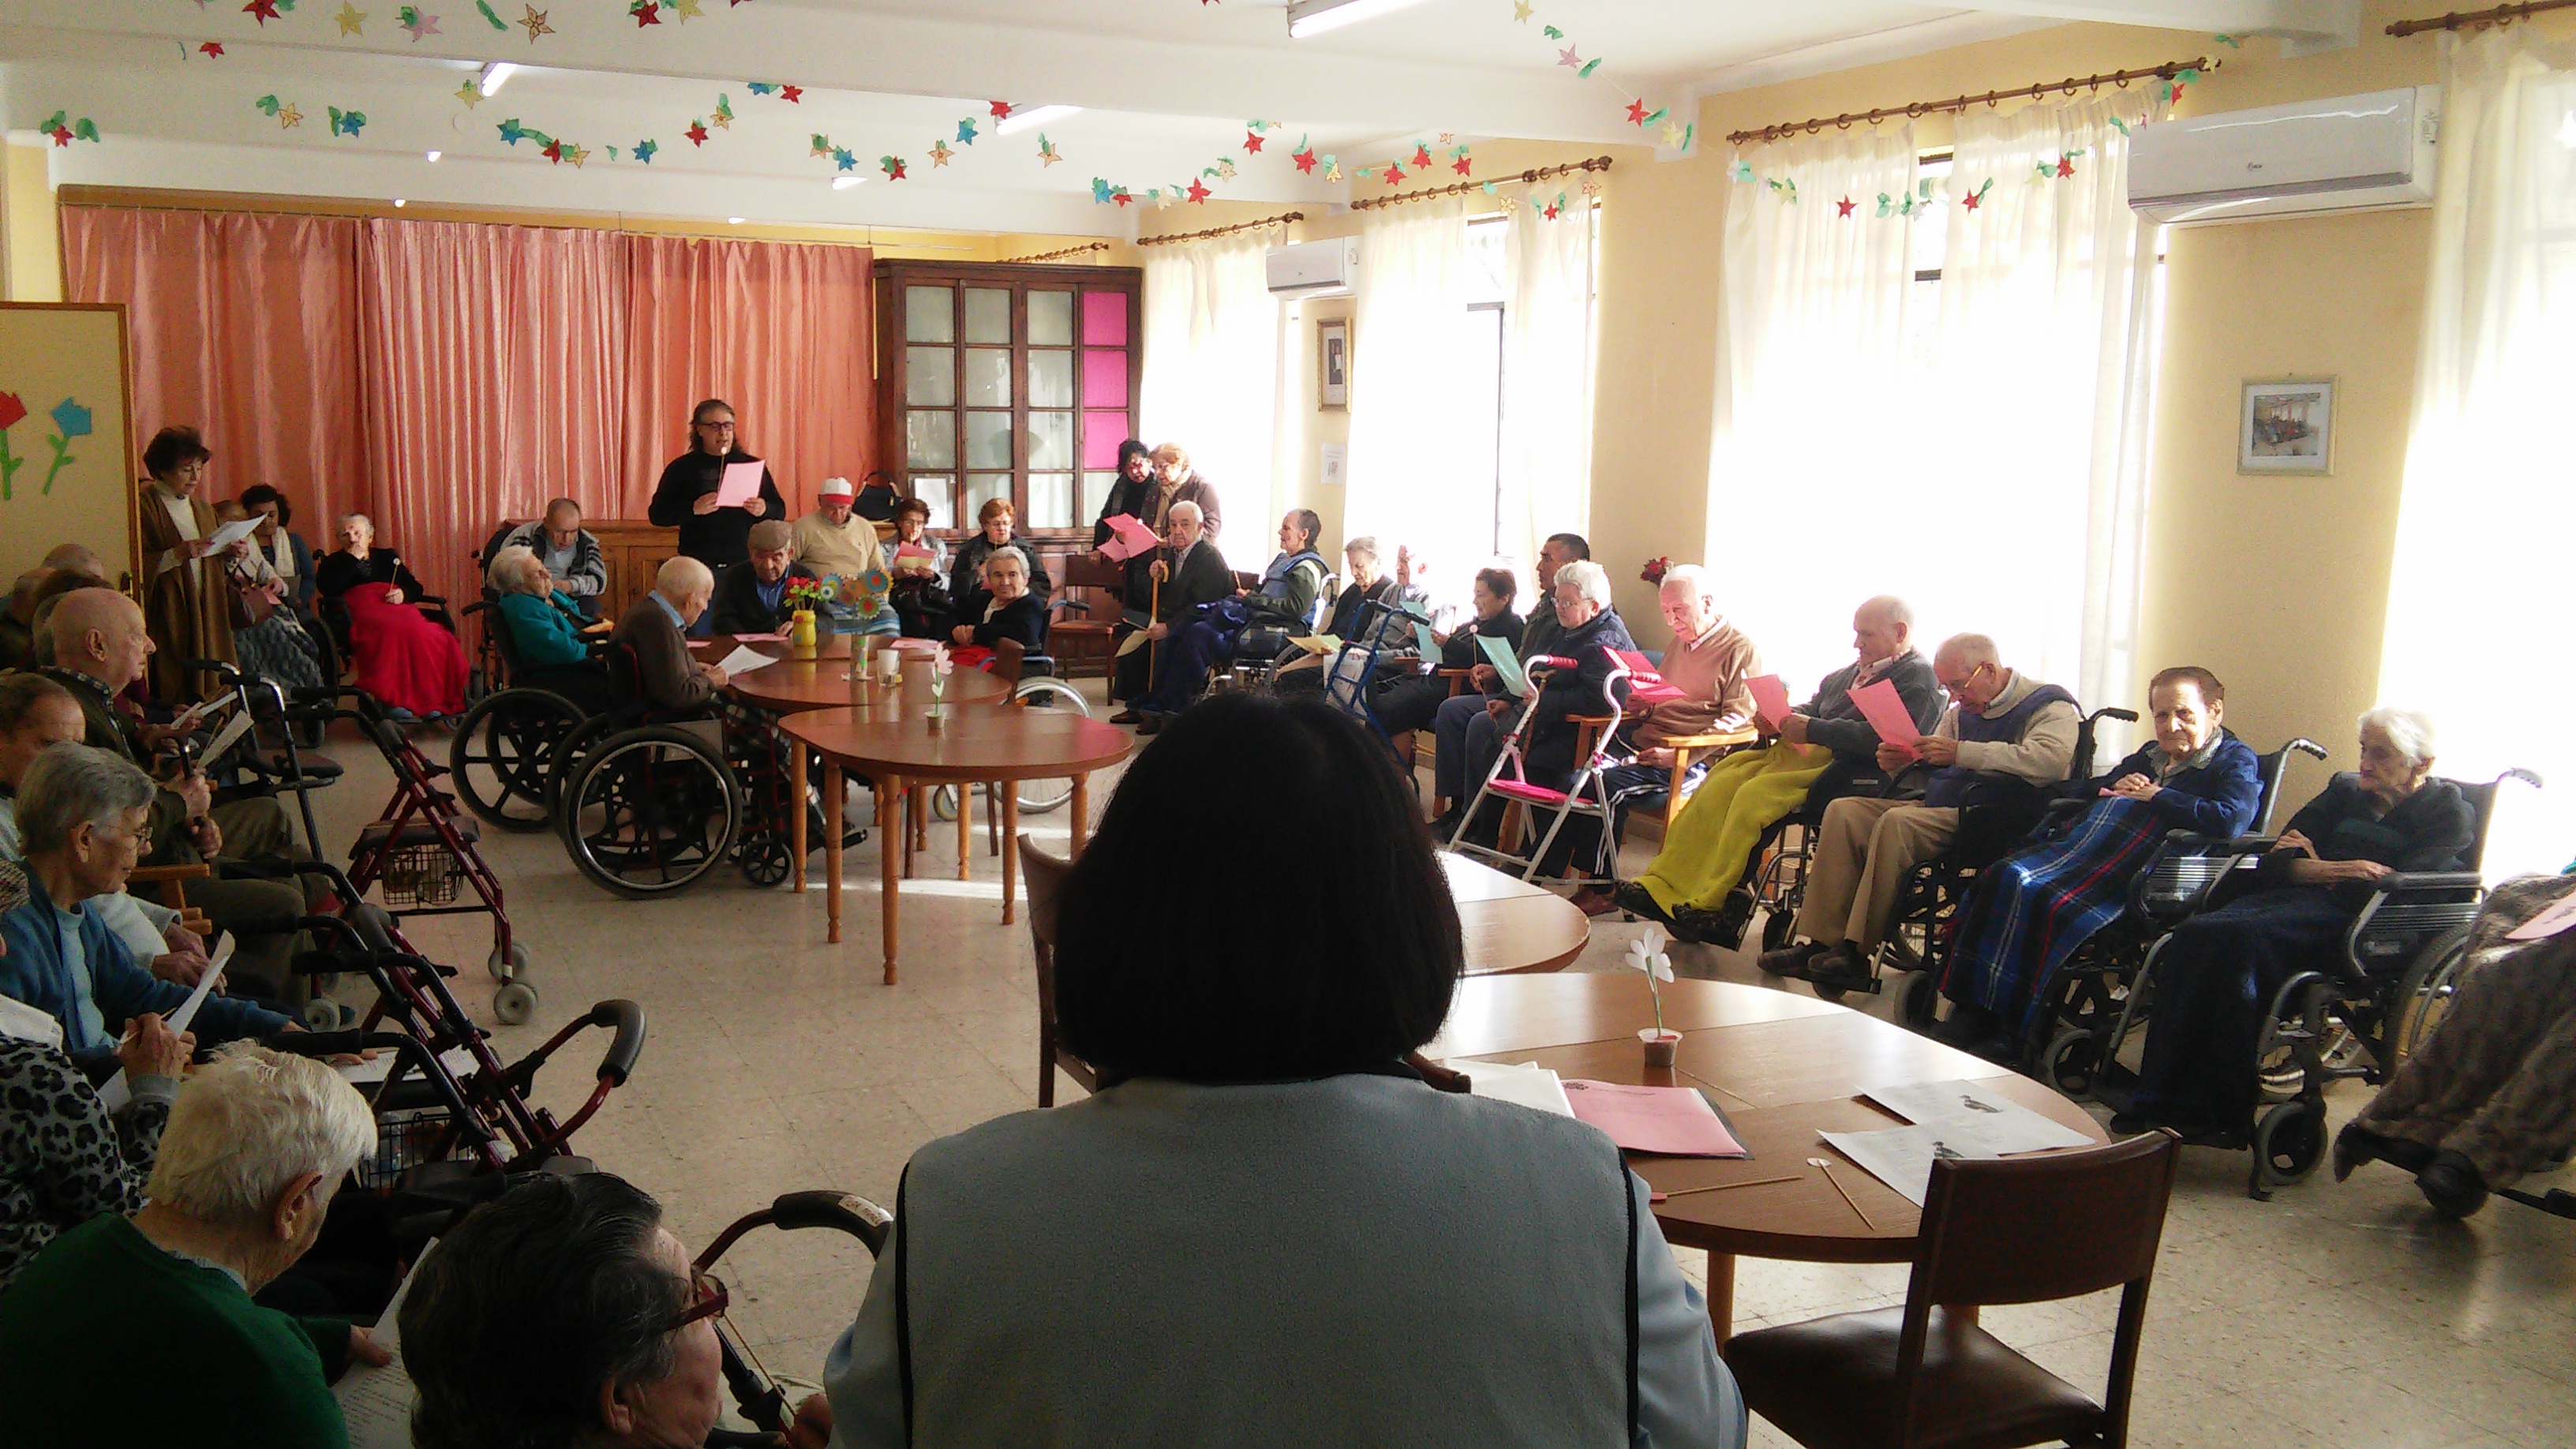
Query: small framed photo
pixel 2287 427
pixel 1333 363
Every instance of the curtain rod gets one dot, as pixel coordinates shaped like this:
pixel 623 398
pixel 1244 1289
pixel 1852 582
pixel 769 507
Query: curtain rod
pixel 2068 86
pixel 1282 219
pixel 1597 163
pixel 1082 250
pixel 2500 15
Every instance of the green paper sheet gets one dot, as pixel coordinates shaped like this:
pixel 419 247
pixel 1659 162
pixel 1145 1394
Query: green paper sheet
pixel 1498 653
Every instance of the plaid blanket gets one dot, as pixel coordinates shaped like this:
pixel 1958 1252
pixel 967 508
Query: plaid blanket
pixel 2030 911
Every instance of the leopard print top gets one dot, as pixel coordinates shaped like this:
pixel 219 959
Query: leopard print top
pixel 63 1159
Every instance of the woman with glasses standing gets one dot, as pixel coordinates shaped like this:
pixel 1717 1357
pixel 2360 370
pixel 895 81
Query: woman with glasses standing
pixel 685 499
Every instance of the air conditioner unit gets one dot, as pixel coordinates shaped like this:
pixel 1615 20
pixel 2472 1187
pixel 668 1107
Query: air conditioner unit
pixel 1314 269
pixel 2352 153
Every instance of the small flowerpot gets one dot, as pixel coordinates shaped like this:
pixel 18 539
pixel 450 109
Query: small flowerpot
pixel 1660 1045
pixel 938 719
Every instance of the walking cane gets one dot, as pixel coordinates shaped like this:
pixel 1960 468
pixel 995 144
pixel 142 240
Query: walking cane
pixel 1154 647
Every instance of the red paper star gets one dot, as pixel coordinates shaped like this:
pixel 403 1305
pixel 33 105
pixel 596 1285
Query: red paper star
pixel 1421 157
pixel 1551 211
pixel 894 168
pixel 553 152
pixel 1844 207
pixel 1636 113
pixel 1461 164
pixel 646 13
pixel 2065 165
pixel 1122 198
pixel 1198 193
pixel 1394 173
pixel 1972 200
pixel 212 48
pixel 697 133
pixel 1252 141
pixel 62 135
pixel 793 95
pixel 1305 161
pixel 265 10
pixel 1001 110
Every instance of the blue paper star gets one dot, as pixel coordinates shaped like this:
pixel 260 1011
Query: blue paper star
pixel 844 159
pixel 760 88
pixel 966 132
pixel 71 419
pixel 1099 189
pixel 511 131
pixel 644 151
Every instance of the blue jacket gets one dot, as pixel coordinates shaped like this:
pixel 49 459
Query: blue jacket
pixel 542 633
pixel 34 972
pixel 2218 798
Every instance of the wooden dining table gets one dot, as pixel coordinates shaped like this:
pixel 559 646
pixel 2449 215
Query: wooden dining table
pixel 896 747
pixel 1510 925
pixel 1780 1067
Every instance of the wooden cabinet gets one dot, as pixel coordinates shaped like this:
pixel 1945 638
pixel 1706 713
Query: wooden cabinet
pixel 633 551
pixel 1007 381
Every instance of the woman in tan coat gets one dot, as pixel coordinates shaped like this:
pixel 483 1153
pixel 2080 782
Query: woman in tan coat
pixel 187 603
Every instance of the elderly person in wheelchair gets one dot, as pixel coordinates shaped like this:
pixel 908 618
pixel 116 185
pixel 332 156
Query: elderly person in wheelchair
pixel 2216 975
pixel 549 636
pixel 2006 740
pixel 656 629
pixel 2028 913
pixel 1011 612
pixel 1253 624
pixel 2490 1098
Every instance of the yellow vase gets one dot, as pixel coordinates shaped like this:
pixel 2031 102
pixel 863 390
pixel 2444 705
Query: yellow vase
pixel 801 633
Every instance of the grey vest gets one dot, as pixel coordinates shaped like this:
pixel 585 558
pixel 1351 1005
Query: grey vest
pixel 1358 1260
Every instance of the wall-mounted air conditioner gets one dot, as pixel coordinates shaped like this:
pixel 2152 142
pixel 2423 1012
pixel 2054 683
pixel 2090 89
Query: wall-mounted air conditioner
pixel 2352 153
pixel 1314 269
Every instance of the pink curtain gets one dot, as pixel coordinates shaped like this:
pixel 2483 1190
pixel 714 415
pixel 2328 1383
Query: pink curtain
pixel 246 327
pixel 780 331
pixel 494 369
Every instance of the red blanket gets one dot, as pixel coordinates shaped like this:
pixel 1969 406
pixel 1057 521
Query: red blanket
pixel 403 659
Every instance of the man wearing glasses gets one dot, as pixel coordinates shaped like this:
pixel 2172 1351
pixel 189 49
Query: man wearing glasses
pixel 685 499
pixel 2005 738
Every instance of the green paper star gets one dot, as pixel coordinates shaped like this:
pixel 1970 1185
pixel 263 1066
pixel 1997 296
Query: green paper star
pixel 644 151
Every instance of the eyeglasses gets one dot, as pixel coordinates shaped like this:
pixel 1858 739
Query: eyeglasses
pixel 708 1300
pixel 1953 686
pixel 723 427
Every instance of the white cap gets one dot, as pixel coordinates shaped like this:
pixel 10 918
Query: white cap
pixel 838 488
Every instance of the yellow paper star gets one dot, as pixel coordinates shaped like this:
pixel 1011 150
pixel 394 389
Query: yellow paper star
pixel 577 155
pixel 471 93
pixel 1520 9
pixel 1047 153
pixel 689 11
pixel 287 115
pixel 535 21
pixel 1672 134
pixel 722 119
pixel 939 153
pixel 350 18
pixel 1225 171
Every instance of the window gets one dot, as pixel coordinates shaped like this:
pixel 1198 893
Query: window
pixel 1011 382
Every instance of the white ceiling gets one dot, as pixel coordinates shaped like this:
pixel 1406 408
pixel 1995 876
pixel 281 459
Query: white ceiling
pixel 1166 87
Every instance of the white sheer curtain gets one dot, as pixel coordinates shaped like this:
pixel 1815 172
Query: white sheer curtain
pixel 1811 489
pixel 1212 374
pixel 2039 393
pixel 1408 403
pixel 1546 461
pixel 2483 529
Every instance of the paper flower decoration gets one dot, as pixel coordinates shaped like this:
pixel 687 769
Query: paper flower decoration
pixel 867 592
pixel 11 412
pixel 511 131
pixel 418 22
pixel 1001 109
pixel 697 133
pixel 535 21
pixel 939 154
pixel 759 88
pixel 688 10
pixel 822 145
pixel 844 159
pixel 71 420
pixel 1252 141
pixel 1462 163
pixel 1224 169
pixel 1198 192
pixel 288 116
pixel 1100 189
pixel 1394 173
pixel 724 111
pixel 1304 159
pixel 1637 112
pixel 646 13
pixel 792 95
pixel 1743 169
pixel 1421 157
pixel 1646 953
pixel 212 49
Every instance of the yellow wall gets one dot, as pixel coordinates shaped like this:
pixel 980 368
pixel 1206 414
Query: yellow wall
pixel 30 249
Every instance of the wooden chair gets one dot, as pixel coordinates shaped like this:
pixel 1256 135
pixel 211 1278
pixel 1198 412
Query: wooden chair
pixel 1925 1376
pixel 173 881
pixel 1084 643
pixel 1046 886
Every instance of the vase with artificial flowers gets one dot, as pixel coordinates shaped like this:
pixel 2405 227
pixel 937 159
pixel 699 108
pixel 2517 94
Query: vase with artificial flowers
pixel 1646 953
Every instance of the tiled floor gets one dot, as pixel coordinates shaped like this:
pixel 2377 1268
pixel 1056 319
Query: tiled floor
pixel 2341 1315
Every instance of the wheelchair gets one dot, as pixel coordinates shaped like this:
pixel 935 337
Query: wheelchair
pixel 1917 940
pixel 502 748
pixel 2073 1011
pixel 1261 649
pixel 1036 682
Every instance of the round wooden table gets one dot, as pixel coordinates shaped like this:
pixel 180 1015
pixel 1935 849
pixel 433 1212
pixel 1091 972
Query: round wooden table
pixel 799 682
pixel 1000 746
pixel 1509 925
pixel 714 647
pixel 1781 1067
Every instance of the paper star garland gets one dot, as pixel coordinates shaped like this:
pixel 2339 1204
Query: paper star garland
pixel 939 153
pixel 724 112
pixel 1637 112
pixel 1785 188
pixel 511 131
pixel 1678 138
pixel 411 18
pixel 1001 109
pixel 844 159
pixel 688 10
pixel 1973 198
pixel 61 133
pixel 471 93
pixel 1224 169
pixel 71 420
pixel 350 18
pixel 553 152
pixel 792 95
pixel 697 133
pixel 263 10
pixel 1421 157
pixel 346 123
pixel 1551 32
pixel 212 49
pixel 491 16
pixel 759 88
pixel 1394 173
pixel 1198 193
pixel 1462 163
pixel 579 155
pixel 1521 10
pixel 966 132
pixel 1121 197
pixel 1303 157
pixel 1743 169
pixel 821 145
pixel 1252 142
pixel 1568 58
pixel 1843 208
pixel 646 13
pixel 1332 169
pixel 644 151
pixel 893 167
pixel 1047 153
pixel 1099 193
pixel 535 21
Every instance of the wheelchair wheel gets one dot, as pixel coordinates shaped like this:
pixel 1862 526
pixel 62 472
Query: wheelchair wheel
pixel 2289 1142
pixel 944 803
pixel 2071 1063
pixel 500 751
pixel 1777 927
pixel 650 811
pixel 565 759
pixel 1049 693
pixel 2424 994
pixel 766 858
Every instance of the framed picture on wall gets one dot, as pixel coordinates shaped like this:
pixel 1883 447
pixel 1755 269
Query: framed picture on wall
pixel 2286 426
pixel 1333 363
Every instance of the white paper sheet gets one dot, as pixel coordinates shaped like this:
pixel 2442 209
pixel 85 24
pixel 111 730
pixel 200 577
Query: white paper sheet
pixel 115 1094
pixel 1528 1084
pixel 1901 1157
pixel 1973 1112
pixel 232 533
pixel 743 661
pixel 230 735
pixel 377 1402
pixel 367 1073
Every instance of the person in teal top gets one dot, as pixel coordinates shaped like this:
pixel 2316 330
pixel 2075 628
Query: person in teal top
pixel 547 645
pixel 141 1330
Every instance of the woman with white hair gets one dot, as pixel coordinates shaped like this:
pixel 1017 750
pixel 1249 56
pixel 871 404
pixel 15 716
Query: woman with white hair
pixel 141 1329
pixel 547 632
pixel 412 666
pixel 1011 611
pixel 2216 975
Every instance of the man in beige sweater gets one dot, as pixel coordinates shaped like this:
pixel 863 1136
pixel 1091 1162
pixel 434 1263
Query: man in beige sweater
pixel 834 542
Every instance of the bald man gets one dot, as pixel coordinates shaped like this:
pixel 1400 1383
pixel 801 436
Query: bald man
pixel 2005 738
pixel 656 629
pixel 1823 750
pixel 100 645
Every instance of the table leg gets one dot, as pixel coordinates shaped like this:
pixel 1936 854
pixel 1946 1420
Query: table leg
pixel 1010 844
pixel 831 843
pixel 912 840
pixel 1721 1296
pixel 965 826
pixel 796 845
pixel 1081 811
pixel 888 790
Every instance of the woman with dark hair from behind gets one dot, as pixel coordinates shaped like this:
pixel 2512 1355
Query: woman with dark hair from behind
pixel 1267 1228
pixel 564 1313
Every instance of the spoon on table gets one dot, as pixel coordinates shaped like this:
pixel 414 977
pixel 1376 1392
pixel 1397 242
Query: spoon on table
pixel 1837 1182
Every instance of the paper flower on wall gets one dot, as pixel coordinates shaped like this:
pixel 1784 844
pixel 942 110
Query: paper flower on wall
pixel 71 420
pixel 12 411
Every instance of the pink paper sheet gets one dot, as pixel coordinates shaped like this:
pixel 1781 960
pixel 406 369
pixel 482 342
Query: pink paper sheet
pixel 1886 712
pixel 1770 699
pixel 2560 915
pixel 741 484
pixel 1666 1121
pixel 1129 538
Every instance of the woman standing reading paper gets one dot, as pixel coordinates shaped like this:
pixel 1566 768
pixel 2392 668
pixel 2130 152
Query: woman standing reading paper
pixel 187 602
pixel 687 497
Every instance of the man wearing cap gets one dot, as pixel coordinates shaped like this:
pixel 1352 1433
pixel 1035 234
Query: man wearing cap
pixel 834 542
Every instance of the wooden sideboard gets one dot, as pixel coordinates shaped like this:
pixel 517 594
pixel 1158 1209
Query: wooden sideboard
pixel 633 550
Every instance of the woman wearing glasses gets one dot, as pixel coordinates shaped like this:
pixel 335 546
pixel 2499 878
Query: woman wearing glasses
pixel 685 499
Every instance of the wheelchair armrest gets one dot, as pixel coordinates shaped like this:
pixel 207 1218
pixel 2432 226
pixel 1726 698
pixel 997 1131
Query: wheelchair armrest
pixel 2428 880
pixel 2242 844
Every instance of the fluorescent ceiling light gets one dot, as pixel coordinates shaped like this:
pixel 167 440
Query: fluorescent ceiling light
pixel 494 76
pixel 844 183
pixel 1023 117
pixel 398 201
pixel 1314 17
pixel 433 155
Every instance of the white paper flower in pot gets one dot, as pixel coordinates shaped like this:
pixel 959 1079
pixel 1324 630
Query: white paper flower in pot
pixel 1646 953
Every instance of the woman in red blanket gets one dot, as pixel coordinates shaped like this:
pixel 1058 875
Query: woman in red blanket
pixel 411 665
